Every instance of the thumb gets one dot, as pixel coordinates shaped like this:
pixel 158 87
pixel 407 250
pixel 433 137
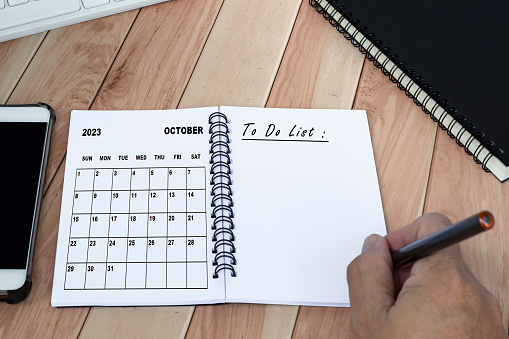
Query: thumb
pixel 371 285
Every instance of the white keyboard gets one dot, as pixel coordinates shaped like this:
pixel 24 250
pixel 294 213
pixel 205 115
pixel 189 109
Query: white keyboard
pixel 24 17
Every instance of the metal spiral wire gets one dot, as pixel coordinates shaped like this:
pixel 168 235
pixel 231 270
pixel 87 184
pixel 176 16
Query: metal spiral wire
pixel 344 24
pixel 221 192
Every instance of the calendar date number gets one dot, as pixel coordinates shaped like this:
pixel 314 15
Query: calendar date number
pixel 91 132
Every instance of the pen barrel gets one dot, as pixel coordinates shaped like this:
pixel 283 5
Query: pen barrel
pixel 442 239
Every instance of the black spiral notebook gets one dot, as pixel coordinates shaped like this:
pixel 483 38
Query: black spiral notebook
pixel 213 205
pixel 449 56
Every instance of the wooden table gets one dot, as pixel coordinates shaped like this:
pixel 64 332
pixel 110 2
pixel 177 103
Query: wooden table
pixel 192 53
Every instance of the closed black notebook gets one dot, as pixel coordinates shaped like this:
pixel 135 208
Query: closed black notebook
pixel 449 56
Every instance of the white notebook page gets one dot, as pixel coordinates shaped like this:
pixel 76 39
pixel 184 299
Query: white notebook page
pixel 134 223
pixel 303 206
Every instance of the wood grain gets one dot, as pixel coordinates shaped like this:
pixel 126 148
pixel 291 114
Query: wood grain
pixel 259 321
pixel 322 322
pixel 152 72
pixel 237 67
pixel 15 55
pixel 242 321
pixel 141 322
pixel 460 188
pixel 68 70
pixel 320 69
pixel 403 139
pixel 154 67
pixel 240 61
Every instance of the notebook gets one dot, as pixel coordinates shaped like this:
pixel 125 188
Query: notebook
pixel 449 56
pixel 214 205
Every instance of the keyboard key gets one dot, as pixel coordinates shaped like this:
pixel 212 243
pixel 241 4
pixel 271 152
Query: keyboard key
pixel 16 2
pixel 36 11
pixel 2 4
pixel 94 3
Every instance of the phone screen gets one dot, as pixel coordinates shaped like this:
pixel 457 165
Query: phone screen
pixel 20 167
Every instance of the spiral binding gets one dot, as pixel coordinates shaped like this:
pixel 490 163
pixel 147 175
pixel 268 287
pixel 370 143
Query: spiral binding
pixel 351 29
pixel 222 201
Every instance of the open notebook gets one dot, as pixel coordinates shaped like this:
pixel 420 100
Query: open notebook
pixel 449 56
pixel 214 205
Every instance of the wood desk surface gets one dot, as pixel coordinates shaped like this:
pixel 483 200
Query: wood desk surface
pixel 192 53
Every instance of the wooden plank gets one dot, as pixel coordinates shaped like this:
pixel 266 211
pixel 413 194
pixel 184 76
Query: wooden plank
pixel 241 59
pixel 256 321
pixel 15 55
pixel 66 73
pixel 329 68
pixel 159 56
pixel 322 322
pixel 243 321
pixel 320 69
pixel 152 73
pixel 34 317
pixel 204 324
pixel 403 139
pixel 238 67
pixel 68 70
pixel 460 188
pixel 129 322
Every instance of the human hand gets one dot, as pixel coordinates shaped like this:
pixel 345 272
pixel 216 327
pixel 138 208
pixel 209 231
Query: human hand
pixel 436 297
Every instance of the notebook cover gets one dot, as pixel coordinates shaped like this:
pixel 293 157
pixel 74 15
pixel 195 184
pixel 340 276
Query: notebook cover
pixel 459 48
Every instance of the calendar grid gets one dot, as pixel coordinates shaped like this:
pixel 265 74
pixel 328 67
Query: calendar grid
pixel 138 228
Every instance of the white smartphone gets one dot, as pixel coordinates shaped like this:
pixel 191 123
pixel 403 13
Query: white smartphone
pixel 25 133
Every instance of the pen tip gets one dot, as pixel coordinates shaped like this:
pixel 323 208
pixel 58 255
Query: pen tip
pixel 486 220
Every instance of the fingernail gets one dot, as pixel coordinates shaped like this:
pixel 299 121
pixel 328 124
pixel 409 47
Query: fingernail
pixel 369 242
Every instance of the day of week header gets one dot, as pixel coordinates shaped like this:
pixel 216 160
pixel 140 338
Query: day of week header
pixel 141 157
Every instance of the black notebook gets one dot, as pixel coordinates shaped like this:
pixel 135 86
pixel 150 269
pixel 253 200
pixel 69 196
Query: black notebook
pixel 449 56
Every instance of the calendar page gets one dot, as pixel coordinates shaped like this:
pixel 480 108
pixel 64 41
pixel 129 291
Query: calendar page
pixel 135 219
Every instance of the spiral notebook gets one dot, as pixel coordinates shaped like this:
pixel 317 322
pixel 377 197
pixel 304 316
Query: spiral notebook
pixel 449 56
pixel 214 205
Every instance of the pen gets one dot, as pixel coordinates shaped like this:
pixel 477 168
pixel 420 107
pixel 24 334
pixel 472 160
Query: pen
pixel 448 236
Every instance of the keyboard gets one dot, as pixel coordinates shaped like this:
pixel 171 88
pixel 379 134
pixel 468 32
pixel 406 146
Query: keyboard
pixel 24 17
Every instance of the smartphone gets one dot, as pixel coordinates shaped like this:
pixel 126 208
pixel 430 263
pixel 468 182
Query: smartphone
pixel 25 133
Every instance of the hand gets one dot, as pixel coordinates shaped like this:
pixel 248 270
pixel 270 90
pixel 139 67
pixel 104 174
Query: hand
pixel 436 297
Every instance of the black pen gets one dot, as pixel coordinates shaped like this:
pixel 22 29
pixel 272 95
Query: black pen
pixel 450 235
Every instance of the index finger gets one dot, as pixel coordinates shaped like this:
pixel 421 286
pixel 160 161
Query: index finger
pixel 421 227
